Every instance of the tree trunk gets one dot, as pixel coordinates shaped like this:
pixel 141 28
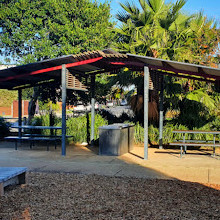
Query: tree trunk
pixel 32 104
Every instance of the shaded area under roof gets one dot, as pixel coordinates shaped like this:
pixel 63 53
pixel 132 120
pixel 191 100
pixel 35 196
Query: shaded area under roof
pixel 48 71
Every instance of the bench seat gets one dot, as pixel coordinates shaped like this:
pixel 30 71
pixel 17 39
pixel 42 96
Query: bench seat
pixel 195 144
pixel 32 140
pixel 10 176
pixel 42 135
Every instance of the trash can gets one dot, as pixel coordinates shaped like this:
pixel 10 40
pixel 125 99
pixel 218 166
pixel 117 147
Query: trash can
pixel 116 139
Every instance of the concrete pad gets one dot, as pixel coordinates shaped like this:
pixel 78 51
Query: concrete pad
pixel 196 166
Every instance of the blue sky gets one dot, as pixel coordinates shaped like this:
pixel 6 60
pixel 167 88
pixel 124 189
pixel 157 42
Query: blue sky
pixel 211 8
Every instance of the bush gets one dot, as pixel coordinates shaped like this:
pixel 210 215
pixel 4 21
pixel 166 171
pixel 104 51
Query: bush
pixel 153 136
pixel 169 136
pixel 138 133
pixel 76 127
pixel 4 128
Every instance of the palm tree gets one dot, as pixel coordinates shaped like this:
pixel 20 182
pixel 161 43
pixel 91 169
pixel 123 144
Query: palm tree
pixel 153 30
pixel 161 30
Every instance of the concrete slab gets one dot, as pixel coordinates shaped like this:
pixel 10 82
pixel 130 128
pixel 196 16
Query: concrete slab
pixel 196 166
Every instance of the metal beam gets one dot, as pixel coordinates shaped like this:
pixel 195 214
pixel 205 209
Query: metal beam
pixel 19 111
pixel 92 138
pixel 161 112
pixel 127 63
pixel 83 62
pixel 63 79
pixel 187 77
pixel 146 100
pixel 190 73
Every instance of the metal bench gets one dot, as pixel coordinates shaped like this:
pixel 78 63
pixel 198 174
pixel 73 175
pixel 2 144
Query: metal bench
pixel 195 143
pixel 32 140
pixel 10 176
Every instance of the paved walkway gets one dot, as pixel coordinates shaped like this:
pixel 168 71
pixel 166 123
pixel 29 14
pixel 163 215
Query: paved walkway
pixel 164 164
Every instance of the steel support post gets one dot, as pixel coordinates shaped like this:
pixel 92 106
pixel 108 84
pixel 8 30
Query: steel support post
pixel 63 80
pixel 161 113
pixel 19 111
pixel 92 138
pixel 146 100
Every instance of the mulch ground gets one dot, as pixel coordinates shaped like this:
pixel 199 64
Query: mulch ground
pixel 74 196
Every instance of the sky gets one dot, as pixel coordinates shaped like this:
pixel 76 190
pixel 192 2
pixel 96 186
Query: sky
pixel 211 8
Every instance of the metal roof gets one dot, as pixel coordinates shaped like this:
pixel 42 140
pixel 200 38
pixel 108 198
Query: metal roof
pixel 180 68
pixel 48 71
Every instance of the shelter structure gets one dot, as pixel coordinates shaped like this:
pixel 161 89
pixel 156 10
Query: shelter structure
pixel 71 70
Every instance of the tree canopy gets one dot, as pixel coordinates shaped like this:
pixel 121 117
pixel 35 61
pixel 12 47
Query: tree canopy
pixel 34 30
pixel 162 30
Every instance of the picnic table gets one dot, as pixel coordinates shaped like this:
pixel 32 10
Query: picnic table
pixel 183 142
pixel 32 137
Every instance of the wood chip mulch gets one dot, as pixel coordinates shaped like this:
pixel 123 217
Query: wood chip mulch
pixel 75 196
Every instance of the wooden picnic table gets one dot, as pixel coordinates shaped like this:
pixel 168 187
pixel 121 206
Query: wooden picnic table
pixel 194 142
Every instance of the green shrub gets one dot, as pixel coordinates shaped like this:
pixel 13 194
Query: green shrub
pixel 138 133
pixel 169 136
pixel 42 120
pixel 4 128
pixel 153 134
pixel 76 127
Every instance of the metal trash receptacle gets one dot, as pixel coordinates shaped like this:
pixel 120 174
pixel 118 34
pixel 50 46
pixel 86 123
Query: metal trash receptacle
pixel 116 139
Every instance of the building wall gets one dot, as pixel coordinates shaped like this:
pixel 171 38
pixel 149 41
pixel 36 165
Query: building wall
pixel 5 111
pixel 13 110
pixel 24 108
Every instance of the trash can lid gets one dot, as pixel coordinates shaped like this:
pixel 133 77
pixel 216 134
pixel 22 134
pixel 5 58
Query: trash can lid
pixel 115 126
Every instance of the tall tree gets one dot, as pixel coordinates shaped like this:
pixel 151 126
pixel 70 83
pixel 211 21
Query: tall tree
pixel 33 30
pixel 162 30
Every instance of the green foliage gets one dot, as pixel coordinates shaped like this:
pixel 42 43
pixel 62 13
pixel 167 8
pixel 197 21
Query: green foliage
pixel 201 96
pixel 169 137
pixel 4 128
pixel 76 127
pixel 7 97
pixel 49 106
pixel 153 134
pixel 42 120
pixel 41 29
pixel 171 34
pixel 139 133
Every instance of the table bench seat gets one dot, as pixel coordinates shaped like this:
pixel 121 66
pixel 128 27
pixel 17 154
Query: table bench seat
pixel 194 144
pixel 42 135
pixel 32 140
pixel 10 176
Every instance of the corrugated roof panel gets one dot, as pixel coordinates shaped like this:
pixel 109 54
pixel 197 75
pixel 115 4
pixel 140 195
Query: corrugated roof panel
pixel 192 69
pixel 107 63
pixel 183 67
